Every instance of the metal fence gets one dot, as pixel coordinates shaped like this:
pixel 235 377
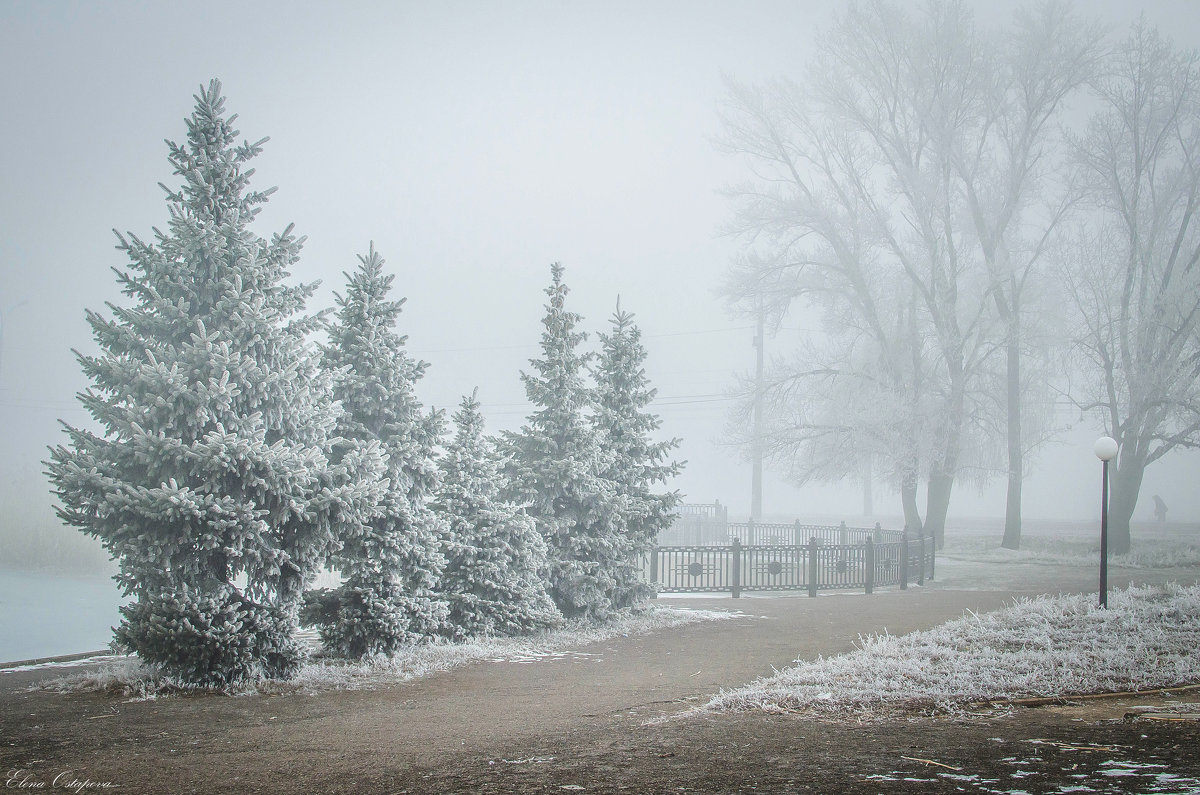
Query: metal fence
pixel 709 525
pixel 873 558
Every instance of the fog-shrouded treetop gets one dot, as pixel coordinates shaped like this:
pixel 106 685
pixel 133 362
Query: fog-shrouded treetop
pixel 210 478
pixel 914 173
pixel 393 562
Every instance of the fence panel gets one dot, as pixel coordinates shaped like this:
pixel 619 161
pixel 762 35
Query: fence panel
pixel 694 569
pixel 774 568
pixel 841 566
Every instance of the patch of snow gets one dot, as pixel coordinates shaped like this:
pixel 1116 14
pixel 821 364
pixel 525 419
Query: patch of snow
pixel 96 659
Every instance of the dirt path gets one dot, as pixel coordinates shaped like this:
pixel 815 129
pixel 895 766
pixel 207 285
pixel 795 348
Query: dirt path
pixel 575 721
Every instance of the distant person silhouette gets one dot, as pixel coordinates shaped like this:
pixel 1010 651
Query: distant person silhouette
pixel 1160 510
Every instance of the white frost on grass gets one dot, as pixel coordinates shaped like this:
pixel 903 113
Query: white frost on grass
pixel 131 678
pixel 74 662
pixel 1148 638
pixel 1148 553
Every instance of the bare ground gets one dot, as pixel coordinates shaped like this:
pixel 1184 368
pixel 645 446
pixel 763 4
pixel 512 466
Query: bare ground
pixel 588 722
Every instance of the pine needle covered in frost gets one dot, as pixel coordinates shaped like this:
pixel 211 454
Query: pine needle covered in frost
pixel 131 678
pixel 1047 646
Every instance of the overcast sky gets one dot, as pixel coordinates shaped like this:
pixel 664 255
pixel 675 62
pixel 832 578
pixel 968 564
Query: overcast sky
pixel 475 143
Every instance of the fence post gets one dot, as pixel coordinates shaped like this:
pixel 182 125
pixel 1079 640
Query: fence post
pixel 904 559
pixel 876 535
pixel 735 578
pixel 750 532
pixel 813 569
pixel 843 534
pixel 654 569
pixel 869 565
pixel 796 539
pixel 921 548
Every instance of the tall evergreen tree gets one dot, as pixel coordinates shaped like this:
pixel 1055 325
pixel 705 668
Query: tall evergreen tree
pixel 392 563
pixel 636 463
pixel 495 574
pixel 557 465
pixel 209 479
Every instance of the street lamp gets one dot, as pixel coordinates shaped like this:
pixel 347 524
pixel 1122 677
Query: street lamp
pixel 1106 450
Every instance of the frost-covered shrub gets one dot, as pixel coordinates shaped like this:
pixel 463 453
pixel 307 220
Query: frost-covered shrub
pixel 210 640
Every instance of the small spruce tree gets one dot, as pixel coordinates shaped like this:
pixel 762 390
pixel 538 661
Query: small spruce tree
pixel 556 469
pixel 393 562
pixel 209 479
pixel 635 461
pixel 496 561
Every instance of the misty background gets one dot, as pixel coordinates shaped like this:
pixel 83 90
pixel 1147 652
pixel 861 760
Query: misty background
pixel 474 143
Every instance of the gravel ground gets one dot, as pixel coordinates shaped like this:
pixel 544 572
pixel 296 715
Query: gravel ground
pixel 593 720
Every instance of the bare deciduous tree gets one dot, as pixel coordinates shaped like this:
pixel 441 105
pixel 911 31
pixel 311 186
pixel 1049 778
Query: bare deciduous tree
pixel 1007 167
pixel 910 175
pixel 1135 277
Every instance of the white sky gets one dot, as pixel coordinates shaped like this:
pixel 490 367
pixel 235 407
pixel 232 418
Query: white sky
pixel 475 143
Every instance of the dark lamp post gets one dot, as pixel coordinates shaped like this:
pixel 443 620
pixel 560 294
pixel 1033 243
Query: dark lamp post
pixel 1106 450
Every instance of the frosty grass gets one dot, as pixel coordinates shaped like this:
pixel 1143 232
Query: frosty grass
pixel 129 677
pixel 1150 553
pixel 1148 638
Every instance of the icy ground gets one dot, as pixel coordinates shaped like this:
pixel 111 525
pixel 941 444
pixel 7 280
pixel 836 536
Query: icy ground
pixel 1148 638
pixel 127 676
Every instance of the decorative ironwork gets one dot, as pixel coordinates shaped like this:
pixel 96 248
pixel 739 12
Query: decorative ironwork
pixel 816 565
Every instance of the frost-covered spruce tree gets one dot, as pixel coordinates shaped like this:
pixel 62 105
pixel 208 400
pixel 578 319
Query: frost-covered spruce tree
pixel 556 469
pixel 495 578
pixel 208 478
pixel 392 563
pixel 636 463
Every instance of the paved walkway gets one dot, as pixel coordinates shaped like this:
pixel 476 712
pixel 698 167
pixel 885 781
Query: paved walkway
pixel 486 710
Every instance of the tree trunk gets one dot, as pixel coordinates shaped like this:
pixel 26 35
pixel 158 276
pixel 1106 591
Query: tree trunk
pixel 941 475
pixel 1125 481
pixel 1016 453
pixel 908 496
pixel 937 505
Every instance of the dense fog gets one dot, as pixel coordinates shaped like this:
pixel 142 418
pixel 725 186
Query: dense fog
pixel 474 143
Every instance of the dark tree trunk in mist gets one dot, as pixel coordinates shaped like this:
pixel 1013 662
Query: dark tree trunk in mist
pixel 937 504
pixel 1016 463
pixel 908 496
pixel 945 468
pixel 1125 481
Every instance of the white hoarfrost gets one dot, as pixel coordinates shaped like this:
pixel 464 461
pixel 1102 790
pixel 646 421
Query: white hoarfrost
pixel 127 676
pixel 1047 646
